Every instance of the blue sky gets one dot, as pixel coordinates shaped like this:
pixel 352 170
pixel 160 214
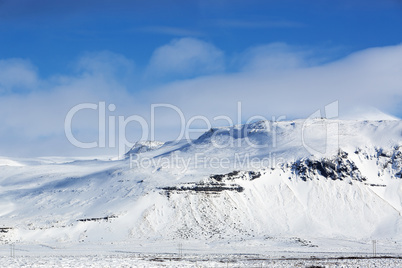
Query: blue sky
pixel 203 56
pixel 52 33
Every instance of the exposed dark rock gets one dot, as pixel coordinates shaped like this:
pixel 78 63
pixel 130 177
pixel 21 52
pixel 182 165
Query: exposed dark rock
pixel 376 185
pixel 248 175
pixel 254 175
pixel 204 187
pixel 5 229
pixel 338 168
pixel 98 219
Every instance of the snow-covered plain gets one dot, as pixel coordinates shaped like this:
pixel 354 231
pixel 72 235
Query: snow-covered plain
pixel 294 189
pixel 95 260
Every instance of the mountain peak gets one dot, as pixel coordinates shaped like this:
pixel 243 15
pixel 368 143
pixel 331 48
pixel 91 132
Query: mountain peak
pixel 145 146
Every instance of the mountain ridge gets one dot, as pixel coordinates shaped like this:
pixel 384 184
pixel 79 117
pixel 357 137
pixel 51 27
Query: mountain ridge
pixel 351 193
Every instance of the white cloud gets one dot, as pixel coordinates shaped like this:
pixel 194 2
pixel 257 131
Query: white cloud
pixel 105 62
pixel 185 57
pixel 370 77
pixel 17 75
pixel 274 57
pixel 33 123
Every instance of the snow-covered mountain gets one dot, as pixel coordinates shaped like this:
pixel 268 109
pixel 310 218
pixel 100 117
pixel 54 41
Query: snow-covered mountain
pixel 144 146
pixel 299 184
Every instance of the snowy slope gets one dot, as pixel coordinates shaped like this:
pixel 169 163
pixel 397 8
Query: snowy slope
pixel 292 184
pixel 145 146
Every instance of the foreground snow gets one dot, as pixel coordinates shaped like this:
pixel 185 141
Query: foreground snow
pixel 191 261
